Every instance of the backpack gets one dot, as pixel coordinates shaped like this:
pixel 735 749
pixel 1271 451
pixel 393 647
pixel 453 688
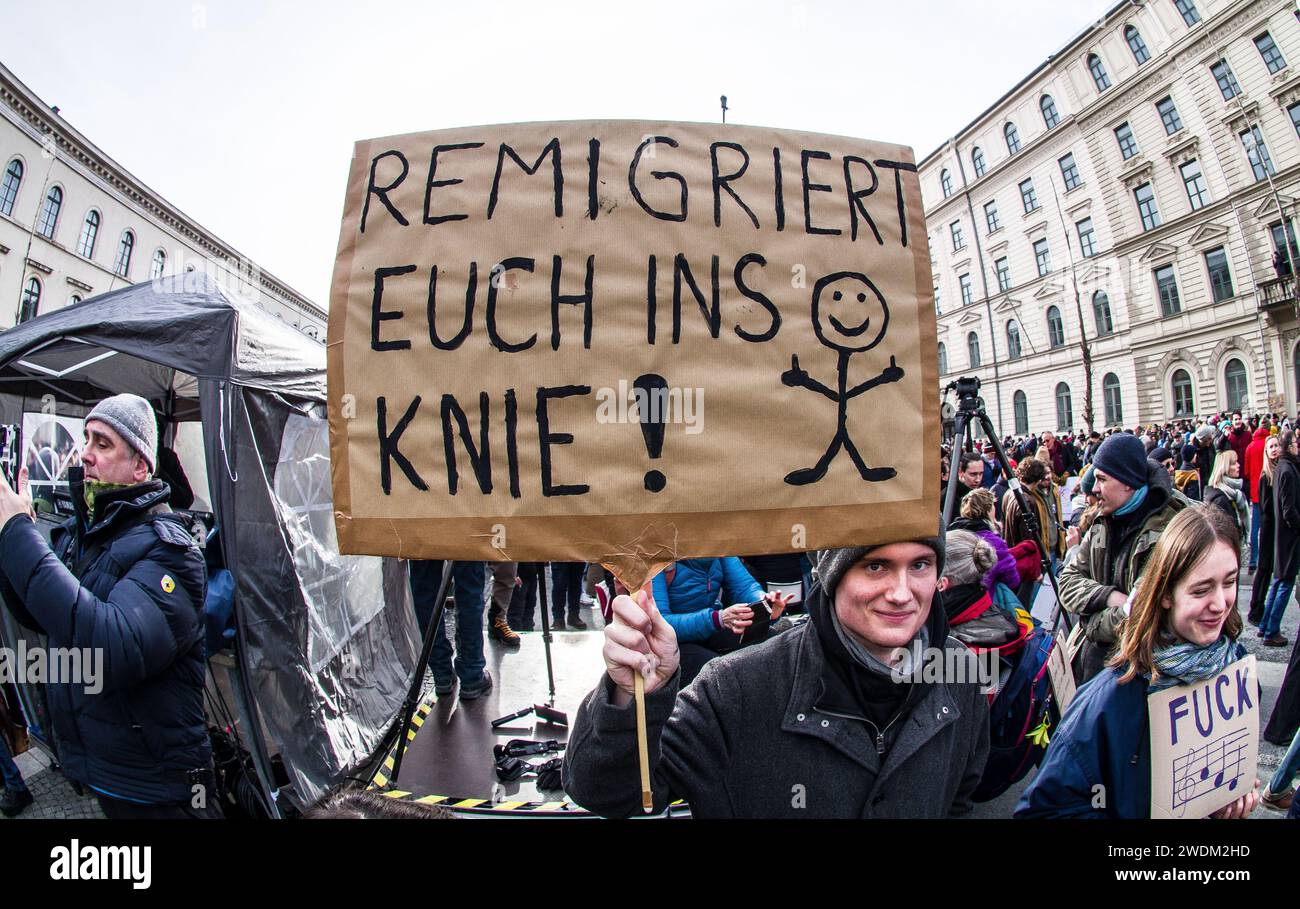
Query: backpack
pixel 1020 717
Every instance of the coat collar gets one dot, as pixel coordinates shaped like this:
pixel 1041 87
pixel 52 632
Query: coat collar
pixel 852 736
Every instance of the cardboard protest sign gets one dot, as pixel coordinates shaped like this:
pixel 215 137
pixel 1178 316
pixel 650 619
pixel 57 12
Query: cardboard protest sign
pixel 1204 742
pixel 1059 670
pixel 630 342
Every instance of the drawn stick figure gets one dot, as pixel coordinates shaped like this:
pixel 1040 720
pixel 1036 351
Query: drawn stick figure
pixel 864 302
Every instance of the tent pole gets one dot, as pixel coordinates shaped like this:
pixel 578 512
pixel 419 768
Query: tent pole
pixel 422 667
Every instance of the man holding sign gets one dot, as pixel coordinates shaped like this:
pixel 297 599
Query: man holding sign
pixel 831 719
pixel 1171 728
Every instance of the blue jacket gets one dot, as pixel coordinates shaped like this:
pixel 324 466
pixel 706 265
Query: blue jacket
pixel 1098 764
pixel 689 601
pixel 139 603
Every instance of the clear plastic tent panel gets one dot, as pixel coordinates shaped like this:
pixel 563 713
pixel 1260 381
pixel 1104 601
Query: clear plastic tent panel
pixel 341 590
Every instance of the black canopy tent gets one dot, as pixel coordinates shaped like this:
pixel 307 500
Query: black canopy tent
pixel 325 644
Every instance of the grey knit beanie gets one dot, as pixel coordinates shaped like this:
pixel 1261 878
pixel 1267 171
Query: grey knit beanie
pixel 132 418
pixel 830 564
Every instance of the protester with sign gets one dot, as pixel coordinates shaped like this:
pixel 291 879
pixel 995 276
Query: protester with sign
pixel 845 716
pixel 1136 504
pixel 1183 629
pixel 135 589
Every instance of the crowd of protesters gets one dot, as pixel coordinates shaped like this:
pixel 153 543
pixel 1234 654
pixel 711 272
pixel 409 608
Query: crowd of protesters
pixel 1144 533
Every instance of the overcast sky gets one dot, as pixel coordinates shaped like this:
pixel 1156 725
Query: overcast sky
pixel 244 114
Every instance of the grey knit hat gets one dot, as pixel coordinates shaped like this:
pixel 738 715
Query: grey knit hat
pixel 132 418
pixel 830 564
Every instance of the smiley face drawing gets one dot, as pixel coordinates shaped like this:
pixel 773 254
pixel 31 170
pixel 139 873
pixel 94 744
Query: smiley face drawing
pixel 849 316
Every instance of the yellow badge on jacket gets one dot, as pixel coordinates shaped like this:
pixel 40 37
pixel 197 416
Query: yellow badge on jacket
pixel 168 585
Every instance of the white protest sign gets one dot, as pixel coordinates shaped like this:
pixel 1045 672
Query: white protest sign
pixel 1204 742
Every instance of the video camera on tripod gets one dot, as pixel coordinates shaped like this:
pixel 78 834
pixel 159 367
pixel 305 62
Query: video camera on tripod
pixel 968 411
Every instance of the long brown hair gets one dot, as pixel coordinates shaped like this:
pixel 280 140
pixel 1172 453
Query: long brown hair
pixel 1186 541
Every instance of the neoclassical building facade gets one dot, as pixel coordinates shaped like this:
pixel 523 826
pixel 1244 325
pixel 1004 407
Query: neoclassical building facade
pixel 74 224
pixel 1132 196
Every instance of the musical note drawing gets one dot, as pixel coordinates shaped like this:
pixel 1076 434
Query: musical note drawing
pixel 1210 767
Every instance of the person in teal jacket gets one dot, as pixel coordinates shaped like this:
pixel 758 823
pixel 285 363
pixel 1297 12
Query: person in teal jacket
pixel 691 594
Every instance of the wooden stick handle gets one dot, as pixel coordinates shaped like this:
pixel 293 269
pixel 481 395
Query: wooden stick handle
pixel 643 745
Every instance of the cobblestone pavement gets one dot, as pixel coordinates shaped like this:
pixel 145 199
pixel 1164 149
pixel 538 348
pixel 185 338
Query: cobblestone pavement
pixel 55 796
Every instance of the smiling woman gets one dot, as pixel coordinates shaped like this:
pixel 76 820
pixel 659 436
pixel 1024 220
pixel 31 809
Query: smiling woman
pixel 1182 629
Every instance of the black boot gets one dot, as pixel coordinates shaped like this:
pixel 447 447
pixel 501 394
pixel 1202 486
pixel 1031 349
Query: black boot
pixel 575 621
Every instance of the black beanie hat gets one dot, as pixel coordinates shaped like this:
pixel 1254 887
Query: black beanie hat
pixel 830 564
pixel 1124 458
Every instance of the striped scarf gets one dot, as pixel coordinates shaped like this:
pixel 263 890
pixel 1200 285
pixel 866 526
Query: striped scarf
pixel 1183 663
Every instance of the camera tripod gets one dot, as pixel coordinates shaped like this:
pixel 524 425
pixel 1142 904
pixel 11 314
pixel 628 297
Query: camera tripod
pixel 969 410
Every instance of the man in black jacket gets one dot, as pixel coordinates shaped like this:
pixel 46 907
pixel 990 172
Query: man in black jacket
pixel 847 715
pixel 123 588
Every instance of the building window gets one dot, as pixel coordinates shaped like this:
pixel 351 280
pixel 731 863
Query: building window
pixel 1111 395
pixel 1257 153
pixel 977 160
pixel 9 190
pixel 123 264
pixel 1101 314
pixel 1146 202
pixel 1087 238
pixel 1004 273
pixel 1070 172
pixel 1098 73
pixel 1012 136
pixel 1064 408
pixel 1042 257
pixel 943 359
pixel 1234 381
pixel 1216 262
pixel 31 300
pixel 1136 45
pixel 89 233
pixel 1013 340
pixel 1128 147
pixel 49 217
pixel 1227 81
pixel 973 348
pixel 1294 111
pixel 1269 51
pixel 1028 197
pixel 1182 388
pixel 1021 404
pixel 1169 115
pixel 945 181
pixel 958 241
pixel 936 298
pixel 1167 291
pixel 1050 116
pixel 1055 327
pixel 157 265
pixel 991 215
pixel 967 297
pixel 1284 258
pixel 1194 181
pixel 1188 9
pixel 74 299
